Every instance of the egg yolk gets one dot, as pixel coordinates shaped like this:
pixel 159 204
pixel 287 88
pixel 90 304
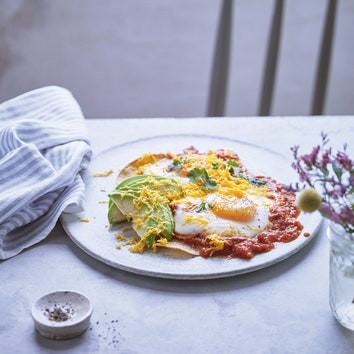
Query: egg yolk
pixel 232 208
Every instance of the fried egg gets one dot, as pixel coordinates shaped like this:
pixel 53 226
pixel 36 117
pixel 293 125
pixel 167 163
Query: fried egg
pixel 223 215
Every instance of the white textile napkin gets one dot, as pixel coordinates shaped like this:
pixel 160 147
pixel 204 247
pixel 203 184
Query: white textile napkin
pixel 43 147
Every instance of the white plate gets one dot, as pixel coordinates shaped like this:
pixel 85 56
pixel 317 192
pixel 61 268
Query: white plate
pixel 96 239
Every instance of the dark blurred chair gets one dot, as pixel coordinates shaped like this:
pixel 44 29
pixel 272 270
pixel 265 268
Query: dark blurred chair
pixel 221 62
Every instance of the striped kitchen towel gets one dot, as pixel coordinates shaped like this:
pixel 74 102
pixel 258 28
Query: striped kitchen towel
pixel 43 148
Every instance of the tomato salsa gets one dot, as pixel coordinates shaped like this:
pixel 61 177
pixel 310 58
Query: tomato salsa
pixel 284 227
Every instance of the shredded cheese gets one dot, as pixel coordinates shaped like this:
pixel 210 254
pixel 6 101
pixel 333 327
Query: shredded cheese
pixel 103 174
pixel 155 192
pixel 120 237
pixel 215 243
pixel 84 219
pixel 192 219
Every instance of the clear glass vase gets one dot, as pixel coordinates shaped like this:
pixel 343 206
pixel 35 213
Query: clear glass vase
pixel 341 275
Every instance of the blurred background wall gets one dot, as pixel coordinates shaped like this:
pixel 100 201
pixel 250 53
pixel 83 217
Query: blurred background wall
pixel 153 58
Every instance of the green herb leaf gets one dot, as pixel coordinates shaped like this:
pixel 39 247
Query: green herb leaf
pixel 233 166
pixel 201 175
pixel 204 206
pixel 215 165
pixel 177 163
pixel 258 182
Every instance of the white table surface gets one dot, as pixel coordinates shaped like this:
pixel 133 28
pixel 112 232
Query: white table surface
pixel 280 309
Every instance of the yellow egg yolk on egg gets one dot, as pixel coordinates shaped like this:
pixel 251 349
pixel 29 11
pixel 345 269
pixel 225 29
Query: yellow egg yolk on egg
pixel 233 208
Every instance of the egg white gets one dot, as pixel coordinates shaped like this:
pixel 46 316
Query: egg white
pixel 189 222
pixel 161 168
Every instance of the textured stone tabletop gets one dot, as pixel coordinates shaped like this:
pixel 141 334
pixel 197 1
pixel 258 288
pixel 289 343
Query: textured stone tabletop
pixel 279 309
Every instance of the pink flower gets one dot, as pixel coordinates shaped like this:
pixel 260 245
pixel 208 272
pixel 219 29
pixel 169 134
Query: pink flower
pixel 334 175
pixel 347 215
pixel 310 160
pixel 326 158
pixel 344 161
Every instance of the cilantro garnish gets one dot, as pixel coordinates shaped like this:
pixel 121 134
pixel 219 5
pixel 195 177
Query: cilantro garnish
pixel 177 164
pixel 215 165
pixel 252 180
pixel 233 166
pixel 204 206
pixel 234 170
pixel 201 175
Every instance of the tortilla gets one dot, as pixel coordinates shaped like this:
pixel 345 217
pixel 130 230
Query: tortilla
pixel 219 242
pixel 131 168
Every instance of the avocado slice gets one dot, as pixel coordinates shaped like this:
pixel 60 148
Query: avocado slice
pixel 144 200
pixel 114 214
pixel 154 222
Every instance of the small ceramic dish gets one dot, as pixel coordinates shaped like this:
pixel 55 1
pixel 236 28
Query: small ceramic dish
pixel 62 314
